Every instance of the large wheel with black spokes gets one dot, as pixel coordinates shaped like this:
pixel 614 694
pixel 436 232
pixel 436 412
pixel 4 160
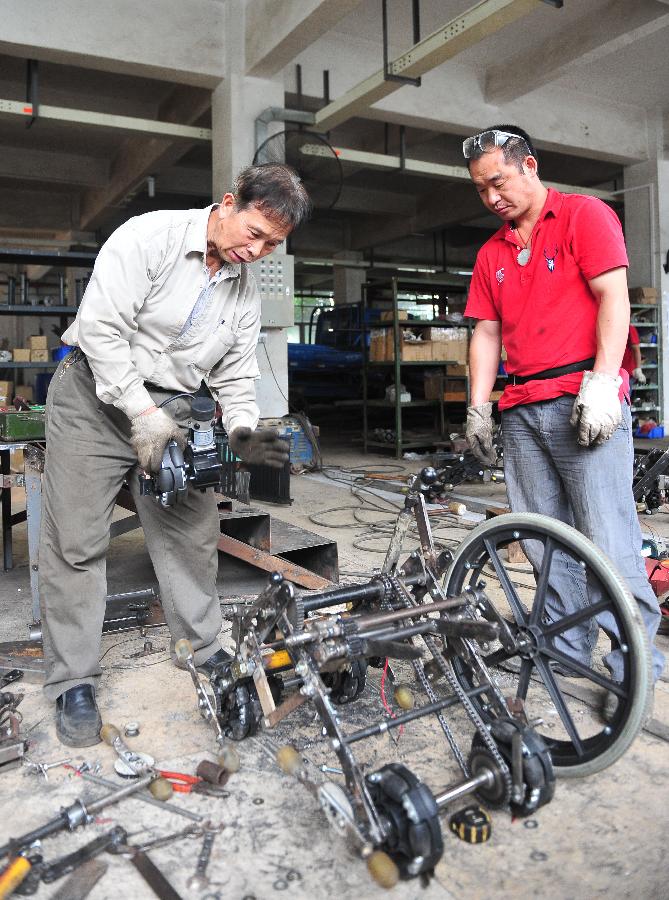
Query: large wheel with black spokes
pixel 541 632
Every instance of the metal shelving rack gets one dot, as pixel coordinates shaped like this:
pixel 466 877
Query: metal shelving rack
pixel 18 289
pixel 385 292
pixel 647 398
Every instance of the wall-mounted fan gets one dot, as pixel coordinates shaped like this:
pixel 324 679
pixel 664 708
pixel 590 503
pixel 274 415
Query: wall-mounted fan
pixel 312 157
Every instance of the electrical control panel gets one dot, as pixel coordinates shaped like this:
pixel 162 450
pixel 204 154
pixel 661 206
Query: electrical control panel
pixel 275 277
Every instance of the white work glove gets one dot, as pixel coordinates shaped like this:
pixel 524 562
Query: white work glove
pixel 479 433
pixel 149 436
pixel 262 447
pixel 638 375
pixel 596 412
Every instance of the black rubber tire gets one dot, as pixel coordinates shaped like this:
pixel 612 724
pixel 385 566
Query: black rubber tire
pixel 468 562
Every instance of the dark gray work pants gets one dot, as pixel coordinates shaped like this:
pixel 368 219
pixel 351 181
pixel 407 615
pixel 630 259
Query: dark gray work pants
pixel 87 459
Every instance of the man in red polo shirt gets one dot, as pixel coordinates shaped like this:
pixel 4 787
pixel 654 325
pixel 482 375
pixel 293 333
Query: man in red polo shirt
pixel 551 286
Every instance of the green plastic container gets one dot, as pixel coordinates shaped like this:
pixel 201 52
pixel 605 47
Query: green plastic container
pixel 19 425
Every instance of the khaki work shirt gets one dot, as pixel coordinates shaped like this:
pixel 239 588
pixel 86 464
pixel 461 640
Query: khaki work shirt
pixel 134 323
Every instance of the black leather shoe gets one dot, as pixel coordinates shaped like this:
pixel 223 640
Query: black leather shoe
pixel 209 666
pixel 78 721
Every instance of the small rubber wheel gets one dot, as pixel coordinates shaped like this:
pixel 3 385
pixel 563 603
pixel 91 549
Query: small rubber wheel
pixel 109 733
pixel 229 759
pixel 404 697
pixel 288 759
pixel 183 648
pixel 161 789
pixel 382 869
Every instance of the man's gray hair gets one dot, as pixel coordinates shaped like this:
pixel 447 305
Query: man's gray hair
pixel 276 190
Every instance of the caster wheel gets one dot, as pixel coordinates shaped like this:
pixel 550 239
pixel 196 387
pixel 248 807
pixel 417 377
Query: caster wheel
pixel 414 842
pixel 229 759
pixel 382 869
pixel 404 697
pixel 538 779
pixel 346 685
pixel 161 789
pixel 288 760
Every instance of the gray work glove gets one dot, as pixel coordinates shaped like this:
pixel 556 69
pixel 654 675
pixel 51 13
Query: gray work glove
pixel 638 375
pixel 149 436
pixel 262 447
pixel 597 412
pixel 479 433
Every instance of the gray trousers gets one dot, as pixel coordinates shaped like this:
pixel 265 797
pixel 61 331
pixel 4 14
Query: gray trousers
pixel 590 488
pixel 88 457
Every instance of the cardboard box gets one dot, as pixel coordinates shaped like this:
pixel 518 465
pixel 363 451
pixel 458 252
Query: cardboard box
pixel 449 344
pixel 377 345
pixel 37 342
pixel 458 371
pixel 25 391
pixel 643 295
pixel 41 355
pixel 389 316
pixel 21 354
pixel 6 392
pixel 410 351
pixel 495 395
pixel 455 396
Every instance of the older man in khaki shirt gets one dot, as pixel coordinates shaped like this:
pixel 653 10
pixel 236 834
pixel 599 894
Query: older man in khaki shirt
pixel 170 304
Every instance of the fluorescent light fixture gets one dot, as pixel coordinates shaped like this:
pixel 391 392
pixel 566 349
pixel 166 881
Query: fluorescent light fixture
pixel 425 269
pixel 452 271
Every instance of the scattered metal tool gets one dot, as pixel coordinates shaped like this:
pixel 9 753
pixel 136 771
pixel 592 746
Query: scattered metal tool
pixel 199 880
pixel 41 768
pixel 10 677
pixel 81 882
pixel 146 798
pixel 12 745
pixel 191 831
pixel 66 864
pixel 71 817
pixel 136 764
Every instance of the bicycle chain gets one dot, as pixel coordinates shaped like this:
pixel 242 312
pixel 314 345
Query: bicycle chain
pixel 394 587
pixel 457 688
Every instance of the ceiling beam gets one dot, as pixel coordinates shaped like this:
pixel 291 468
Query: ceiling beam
pixel 594 36
pixel 388 162
pixel 450 205
pixel 181 42
pixel 278 30
pixel 131 124
pixel 477 23
pixel 139 158
pixel 52 167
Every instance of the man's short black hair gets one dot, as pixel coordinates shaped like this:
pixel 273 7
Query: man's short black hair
pixel 514 151
pixel 276 190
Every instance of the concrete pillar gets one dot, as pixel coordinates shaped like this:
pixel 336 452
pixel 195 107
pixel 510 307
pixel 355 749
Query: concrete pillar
pixel 348 280
pixel 646 195
pixel 235 104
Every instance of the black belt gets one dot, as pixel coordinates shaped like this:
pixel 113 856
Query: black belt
pixel 553 373
pixel 149 385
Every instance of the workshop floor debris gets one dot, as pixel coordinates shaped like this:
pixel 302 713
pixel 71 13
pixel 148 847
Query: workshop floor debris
pixel 600 836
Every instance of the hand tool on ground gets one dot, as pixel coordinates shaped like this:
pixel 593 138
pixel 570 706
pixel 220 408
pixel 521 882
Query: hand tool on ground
pixel 191 831
pixel 145 798
pixel 71 817
pixel 80 883
pixel 199 880
pixel 16 872
pixel 181 782
pixel 40 768
pixel 153 877
pixel 184 652
pixel 12 746
pixel 66 864
pixel 136 762
pixel 10 677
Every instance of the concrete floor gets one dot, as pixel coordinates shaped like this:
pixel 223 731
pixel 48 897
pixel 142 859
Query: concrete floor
pixel 601 836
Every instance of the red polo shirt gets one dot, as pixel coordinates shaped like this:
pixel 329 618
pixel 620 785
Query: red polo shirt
pixel 547 310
